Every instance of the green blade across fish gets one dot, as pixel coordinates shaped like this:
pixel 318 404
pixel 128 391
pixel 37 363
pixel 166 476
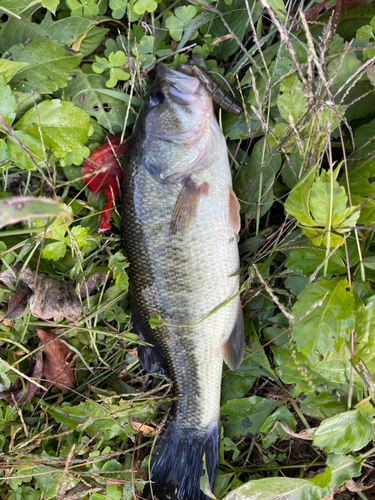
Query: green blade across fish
pixel 180 232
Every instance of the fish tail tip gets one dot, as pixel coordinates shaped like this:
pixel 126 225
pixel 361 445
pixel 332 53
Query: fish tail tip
pixel 177 463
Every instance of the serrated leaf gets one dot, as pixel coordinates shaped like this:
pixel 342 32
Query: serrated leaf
pixel 245 416
pixel 118 263
pixel 323 331
pixel 50 65
pixel 54 251
pixel 7 103
pixel 297 203
pixel 291 101
pixel 63 125
pixel 343 433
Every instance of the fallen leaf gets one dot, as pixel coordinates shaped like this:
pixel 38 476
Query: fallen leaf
pixel 58 367
pixel 18 302
pixel 145 429
pixel 106 170
pixel 307 434
pixel 50 298
pixel 16 393
pixel 93 283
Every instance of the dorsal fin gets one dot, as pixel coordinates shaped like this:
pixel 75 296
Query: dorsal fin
pixel 233 348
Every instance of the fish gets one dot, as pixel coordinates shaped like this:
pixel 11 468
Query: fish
pixel 219 95
pixel 180 231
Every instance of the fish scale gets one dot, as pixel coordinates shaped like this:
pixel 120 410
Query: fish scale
pixel 181 277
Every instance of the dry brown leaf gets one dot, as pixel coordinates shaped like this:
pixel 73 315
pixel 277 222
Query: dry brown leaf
pixel 58 367
pixel 16 394
pixel 145 429
pixel 307 434
pixel 50 298
pixel 18 302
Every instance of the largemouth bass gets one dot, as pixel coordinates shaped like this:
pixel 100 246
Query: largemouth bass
pixel 180 227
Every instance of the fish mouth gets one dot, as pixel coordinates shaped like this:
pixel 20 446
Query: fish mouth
pixel 181 88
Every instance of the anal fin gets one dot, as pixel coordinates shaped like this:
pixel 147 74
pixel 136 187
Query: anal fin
pixel 185 209
pixel 151 357
pixel 233 348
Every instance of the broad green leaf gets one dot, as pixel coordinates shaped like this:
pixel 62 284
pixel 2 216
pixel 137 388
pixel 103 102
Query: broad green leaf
pixel 364 33
pixel 245 416
pixel 7 103
pixel 306 260
pixel 364 337
pixel 8 69
pixel 18 155
pixel 291 101
pixel 51 5
pixel 79 235
pixel 283 415
pixel 262 165
pixel 297 203
pixel 65 30
pixel 90 40
pixel 324 329
pixel 19 208
pixel 322 480
pixel 90 93
pixel 50 65
pixel 16 7
pixel 117 58
pixel 279 8
pixel 118 263
pixel 274 488
pixel 362 173
pixel 63 125
pixel 343 468
pixel 15 31
pixel 343 433
pixel 54 251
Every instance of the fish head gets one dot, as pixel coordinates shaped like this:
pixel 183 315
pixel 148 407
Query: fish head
pixel 176 124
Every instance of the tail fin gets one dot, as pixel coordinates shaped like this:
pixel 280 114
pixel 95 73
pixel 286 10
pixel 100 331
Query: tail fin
pixel 177 463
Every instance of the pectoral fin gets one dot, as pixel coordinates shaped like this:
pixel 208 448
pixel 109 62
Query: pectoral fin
pixel 185 209
pixel 234 211
pixel 233 348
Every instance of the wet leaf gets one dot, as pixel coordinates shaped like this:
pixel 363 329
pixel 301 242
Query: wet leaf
pixel 50 65
pixel 58 368
pixel 18 208
pixel 18 394
pixel 343 433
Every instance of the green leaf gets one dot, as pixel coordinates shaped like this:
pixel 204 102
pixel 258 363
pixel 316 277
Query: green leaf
pixel 79 234
pixel 18 208
pixel 306 260
pixel 175 26
pixel 141 6
pixel 364 33
pixel 63 125
pixel 118 263
pixel 343 468
pixel 274 488
pixel 154 321
pixel 117 58
pixel 50 66
pixel 323 331
pixel 343 433
pixel 297 203
pixel 145 46
pixel 18 155
pixel 245 416
pixel 322 480
pixel 283 415
pixel 7 103
pixel 54 251
pixel 291 101
pixel 51 5
pixel 65 30
pixel 8 69
pixel 260 166
pixel 185 13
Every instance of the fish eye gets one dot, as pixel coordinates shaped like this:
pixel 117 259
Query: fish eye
pixel 156 97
